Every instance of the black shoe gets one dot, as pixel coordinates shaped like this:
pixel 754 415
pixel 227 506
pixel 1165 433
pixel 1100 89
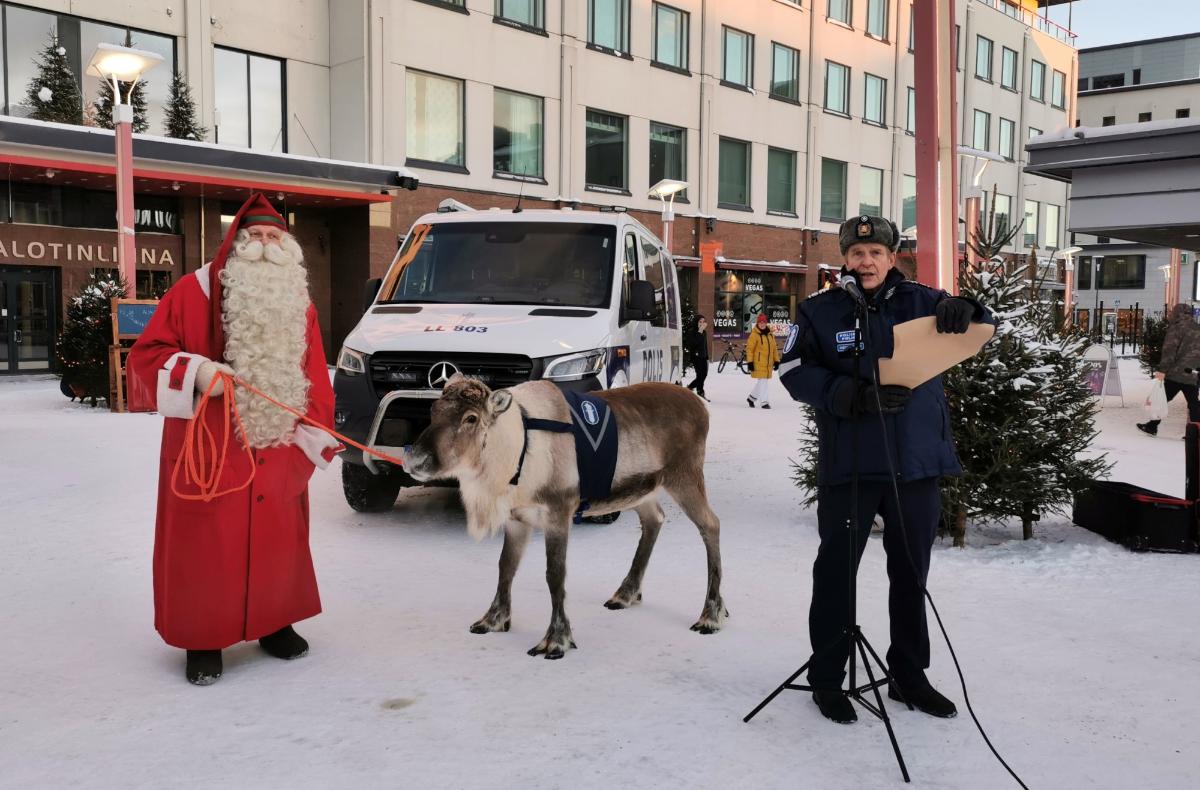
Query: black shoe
pixel 284 643
pixel 203 667
pixel 750 401
pixel 835 706
pixel 1149 428
pixel 924 698
pixel 766 406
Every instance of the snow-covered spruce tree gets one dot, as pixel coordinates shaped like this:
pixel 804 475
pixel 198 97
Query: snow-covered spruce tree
pixel 53 94
pixel 104 102
pixel 1022 416
pixel 181 122
pixel 86 336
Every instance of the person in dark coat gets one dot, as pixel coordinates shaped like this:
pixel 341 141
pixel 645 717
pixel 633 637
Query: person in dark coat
pixel 696 345
pixel 899 432
pixel 1177 367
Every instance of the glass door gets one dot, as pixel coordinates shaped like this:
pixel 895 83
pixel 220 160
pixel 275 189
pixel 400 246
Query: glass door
pixel 28 316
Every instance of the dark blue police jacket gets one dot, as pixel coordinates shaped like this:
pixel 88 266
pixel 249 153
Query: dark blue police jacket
pixel 817 361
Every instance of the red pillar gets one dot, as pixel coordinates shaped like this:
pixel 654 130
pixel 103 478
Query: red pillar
pixel 936 144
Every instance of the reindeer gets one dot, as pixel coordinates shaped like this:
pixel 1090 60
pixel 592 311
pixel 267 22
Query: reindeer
pixel 515 479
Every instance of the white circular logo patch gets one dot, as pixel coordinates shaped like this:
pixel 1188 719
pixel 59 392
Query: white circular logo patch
pixel 590 415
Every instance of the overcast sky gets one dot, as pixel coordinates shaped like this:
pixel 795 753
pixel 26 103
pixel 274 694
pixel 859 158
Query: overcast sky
pixel 1100 22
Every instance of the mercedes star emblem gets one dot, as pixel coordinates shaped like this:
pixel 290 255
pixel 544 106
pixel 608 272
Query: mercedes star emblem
pixel 440 373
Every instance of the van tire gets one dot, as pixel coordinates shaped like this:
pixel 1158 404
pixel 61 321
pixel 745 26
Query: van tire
pixel 367 492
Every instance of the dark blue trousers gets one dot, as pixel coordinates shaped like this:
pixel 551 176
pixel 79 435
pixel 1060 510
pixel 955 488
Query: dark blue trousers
pixel 920 506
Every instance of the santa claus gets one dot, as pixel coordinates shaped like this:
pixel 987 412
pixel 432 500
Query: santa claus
pixel 238 567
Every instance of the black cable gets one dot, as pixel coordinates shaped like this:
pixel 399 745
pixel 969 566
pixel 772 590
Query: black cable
pixel 912 561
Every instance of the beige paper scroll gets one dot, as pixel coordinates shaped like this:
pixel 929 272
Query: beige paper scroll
pixel 921 352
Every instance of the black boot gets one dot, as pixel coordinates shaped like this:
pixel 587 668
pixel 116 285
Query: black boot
pixel 284 643
pixel 750 401
pixel 203 667
pixel 1150 427
pixel 924 697
pixel 835 705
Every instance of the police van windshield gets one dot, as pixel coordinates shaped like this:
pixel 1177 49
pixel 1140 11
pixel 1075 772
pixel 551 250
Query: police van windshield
pixel 542 263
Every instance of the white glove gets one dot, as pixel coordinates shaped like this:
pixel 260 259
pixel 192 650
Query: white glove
pixel 207 372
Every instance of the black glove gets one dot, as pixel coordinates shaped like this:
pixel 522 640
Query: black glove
pixel 750 367
pixel 849 402
pixel 954 315
pixel 776 366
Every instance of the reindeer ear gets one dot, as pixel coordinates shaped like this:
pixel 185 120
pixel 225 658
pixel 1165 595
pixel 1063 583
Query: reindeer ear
pixel 500 401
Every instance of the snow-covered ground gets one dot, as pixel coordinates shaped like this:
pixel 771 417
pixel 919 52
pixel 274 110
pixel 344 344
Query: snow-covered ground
pixel 1081 657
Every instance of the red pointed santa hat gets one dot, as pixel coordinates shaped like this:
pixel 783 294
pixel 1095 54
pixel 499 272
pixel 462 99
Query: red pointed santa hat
pixel 257 210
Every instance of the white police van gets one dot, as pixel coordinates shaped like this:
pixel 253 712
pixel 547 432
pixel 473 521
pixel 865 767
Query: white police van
pixel 586 299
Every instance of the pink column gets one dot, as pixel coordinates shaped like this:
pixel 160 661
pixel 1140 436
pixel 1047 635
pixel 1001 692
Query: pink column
pixel 937 198
pixel 1174 286
pixel 126 249
pixel 972 208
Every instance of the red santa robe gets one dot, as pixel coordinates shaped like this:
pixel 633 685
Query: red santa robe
pixel 238 567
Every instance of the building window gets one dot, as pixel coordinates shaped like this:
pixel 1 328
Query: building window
pixel 1083 273
pixel 958 55
pixel 1031 223
pixel 781 181
pixel 833 190
pixel 837 88
pixel 1108 120
pixel 1183 112
pixel 1137 76
pixel 671 28
pixel 1058 90
pixel 1034 132
pixel 877 21
pixel 1108 81
pixel 910 120
pixel 249 100
pixel 908 210
pixel 1008 133
pixel 733 178
pixel 1144 117
pixel 1037 80
pixel 739 57
pixel 875 100
pixel 517 134
pixel 1002 208
pixel 608 24
pixel 1050 241
pixel 839 11
pixel 911 27
pixel 435 119
pixel 1082 85
pixel 870 191
pixel 523 12
pixel 1008 68
pixel 668 154
pixel 1122 271
pixel 606 150
pixel 982 130
pixel 983 58
pixel 785 72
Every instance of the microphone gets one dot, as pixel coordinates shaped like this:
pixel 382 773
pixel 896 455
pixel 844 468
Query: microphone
pixel 849 283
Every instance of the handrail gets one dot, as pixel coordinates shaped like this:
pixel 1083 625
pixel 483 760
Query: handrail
pixel 1033 20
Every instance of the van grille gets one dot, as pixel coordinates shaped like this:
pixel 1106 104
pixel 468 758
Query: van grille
pixel 410 370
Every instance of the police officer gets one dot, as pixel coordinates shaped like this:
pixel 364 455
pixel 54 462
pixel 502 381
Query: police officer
pixel 817 369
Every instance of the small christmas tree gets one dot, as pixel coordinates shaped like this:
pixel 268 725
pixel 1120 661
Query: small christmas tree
pixel 86 336
pixel 1154 332
pixel 181 122
pixel 53 94
pixel 104 102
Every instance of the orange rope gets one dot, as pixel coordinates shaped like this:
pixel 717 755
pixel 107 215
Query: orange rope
pixel 199 450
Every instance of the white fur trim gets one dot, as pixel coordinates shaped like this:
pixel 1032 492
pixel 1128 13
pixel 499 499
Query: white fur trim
pixel 179 402
pixel 202 277
pixel 314 442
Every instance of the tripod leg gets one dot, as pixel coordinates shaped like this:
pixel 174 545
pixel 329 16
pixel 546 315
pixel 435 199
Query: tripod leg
pixel 882 713
pixel 887 672
pixel 776 692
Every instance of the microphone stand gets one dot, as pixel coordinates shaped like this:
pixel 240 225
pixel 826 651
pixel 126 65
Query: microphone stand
pixel 852 633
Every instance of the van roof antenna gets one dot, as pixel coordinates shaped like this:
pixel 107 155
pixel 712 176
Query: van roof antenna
pixel 521 193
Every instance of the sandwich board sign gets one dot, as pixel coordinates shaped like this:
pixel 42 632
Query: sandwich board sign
pixel 1101 373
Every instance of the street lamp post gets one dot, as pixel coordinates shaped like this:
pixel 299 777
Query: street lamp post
pixel 1067 256
pixel 973 196
pixel 117 64
pixel 666 190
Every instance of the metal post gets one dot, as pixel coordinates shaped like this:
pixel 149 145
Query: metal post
pixel 936 144
pixel 122 116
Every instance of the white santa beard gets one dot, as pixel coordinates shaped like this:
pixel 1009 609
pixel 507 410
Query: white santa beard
pixel 264 313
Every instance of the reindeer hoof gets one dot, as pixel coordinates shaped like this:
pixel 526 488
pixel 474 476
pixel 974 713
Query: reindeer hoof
pixel 552 651
pixel 619 601
pixel 705 628
pixel 484 626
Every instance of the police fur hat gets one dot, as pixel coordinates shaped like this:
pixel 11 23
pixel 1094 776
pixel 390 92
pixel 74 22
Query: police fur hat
pixel 868 230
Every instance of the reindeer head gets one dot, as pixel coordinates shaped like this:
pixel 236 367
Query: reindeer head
pixel 460 420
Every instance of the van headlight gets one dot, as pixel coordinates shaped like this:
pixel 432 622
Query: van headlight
pixel 573 367
pixel 351 362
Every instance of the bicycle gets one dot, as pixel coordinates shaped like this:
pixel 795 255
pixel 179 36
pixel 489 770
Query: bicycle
pixel 735 353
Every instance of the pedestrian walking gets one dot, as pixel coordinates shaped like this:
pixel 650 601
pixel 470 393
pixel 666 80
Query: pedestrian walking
pixel 762 355
pixel 696 345
pixel 1177 367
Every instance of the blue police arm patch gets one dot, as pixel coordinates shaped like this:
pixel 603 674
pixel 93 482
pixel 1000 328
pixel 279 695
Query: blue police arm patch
pixel 793 333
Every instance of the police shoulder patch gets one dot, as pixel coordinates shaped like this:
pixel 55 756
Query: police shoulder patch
pixel 793 333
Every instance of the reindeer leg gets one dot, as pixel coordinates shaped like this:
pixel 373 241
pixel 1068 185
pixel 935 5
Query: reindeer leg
pixel 499 614
pixel 558 636
pixel 692 498
pixel 630 592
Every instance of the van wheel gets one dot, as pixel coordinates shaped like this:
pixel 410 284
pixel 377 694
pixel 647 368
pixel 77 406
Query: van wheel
pixel 370 493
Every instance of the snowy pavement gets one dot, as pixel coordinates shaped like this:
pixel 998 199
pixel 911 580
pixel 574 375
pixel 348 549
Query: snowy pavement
pixel 1079 655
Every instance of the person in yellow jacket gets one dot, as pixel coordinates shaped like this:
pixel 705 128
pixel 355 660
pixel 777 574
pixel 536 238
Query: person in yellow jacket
pixel 762 355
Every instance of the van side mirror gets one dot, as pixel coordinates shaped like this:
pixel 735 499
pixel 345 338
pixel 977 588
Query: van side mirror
pixel 370 291
pixel 640 305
